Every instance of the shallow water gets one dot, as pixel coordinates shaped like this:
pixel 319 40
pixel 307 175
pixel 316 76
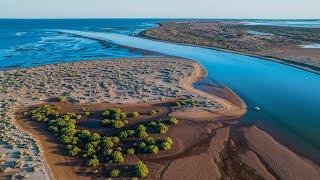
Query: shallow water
pixel 288 97
pixel 27 43
pixel 310 46
pixel 259 33
pixel 311 23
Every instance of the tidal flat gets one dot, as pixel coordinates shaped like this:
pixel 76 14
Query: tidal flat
pixel 207 133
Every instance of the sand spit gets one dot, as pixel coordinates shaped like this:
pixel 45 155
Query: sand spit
pixel 111 81
pixel 285 163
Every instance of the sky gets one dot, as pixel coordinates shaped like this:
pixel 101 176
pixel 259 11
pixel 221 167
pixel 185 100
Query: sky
pixel 270 9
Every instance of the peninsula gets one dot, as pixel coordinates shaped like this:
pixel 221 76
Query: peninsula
pixel 132 118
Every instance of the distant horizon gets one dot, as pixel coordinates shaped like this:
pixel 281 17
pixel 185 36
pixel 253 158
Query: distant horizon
pixel 165 9
pixel 182 18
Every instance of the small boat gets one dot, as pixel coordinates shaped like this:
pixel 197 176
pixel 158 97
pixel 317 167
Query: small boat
pixel 256 108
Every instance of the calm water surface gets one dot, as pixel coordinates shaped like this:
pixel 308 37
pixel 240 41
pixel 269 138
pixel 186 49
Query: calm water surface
pixel 288 97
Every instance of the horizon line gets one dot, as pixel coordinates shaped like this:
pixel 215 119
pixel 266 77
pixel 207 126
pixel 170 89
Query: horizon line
pixel 205 18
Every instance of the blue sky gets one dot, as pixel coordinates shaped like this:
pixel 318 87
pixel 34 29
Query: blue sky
pixel 160 8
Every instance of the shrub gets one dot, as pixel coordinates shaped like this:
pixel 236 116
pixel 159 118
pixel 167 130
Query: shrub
pixel 141 131
pixel 84 136
pixel 117 157
pixel 142 134
pixel 90 149
pixel 174 121
pixel 62 98
pixel 93 162
pixel 142 145
pixel 169 140
pixel 106 122
pixel 107 152
pixel 123 115
pixel 186 102
pixel 141 128
pixel 141 170
pixel 115 173
pixel 158 126
pixel 106 113
pixel 114 114
pixel 78 117
pixel 162 128
pixel 152 149
pixel 126 134
pixel 54 130
pixel 66 139
pixel 150 140
pixel 130 151
pixel 117 124
pixel 134 114
pixel 115 139
pixel 152 112
pixel 74 151
pixel 165 145
pixel 107 143
pixel 178 105
pixel 95 137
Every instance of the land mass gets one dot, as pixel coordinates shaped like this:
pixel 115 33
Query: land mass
pixel 155 100
pixel 280 44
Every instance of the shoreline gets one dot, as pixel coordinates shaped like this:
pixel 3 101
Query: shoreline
pixel 197 74
pixel 304 67
pixel 229 111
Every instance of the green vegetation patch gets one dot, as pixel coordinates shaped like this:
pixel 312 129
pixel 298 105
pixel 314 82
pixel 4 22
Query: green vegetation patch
pixel 98 150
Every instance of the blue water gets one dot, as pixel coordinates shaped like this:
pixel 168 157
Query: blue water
pixel 259 33
pixel 26 43
pixel 311 23
pixel 288 97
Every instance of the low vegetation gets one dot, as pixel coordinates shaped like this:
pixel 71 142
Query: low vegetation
pixel 98 150
pixel 187 102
